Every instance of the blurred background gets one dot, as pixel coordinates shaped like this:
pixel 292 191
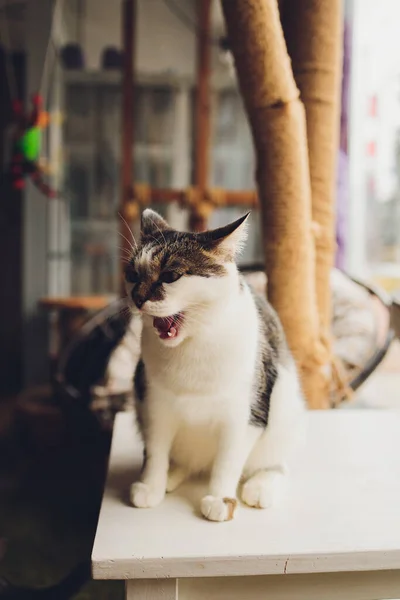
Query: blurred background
pixel 61 257
pixel 73 57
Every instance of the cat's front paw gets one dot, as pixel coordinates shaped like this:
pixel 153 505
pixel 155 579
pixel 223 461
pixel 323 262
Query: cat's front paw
pixel 263 490
pixel 144 495
pixel 218 509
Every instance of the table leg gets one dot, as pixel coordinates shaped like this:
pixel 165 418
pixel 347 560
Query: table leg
pixel 152 589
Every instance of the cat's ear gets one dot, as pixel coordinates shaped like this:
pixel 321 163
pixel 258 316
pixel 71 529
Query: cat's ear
pixel 152 223
pixel 228 239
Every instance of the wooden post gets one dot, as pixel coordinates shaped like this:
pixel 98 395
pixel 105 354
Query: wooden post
pixel 278 126
pixel 127 135
pixel 202 115
pixel 313 30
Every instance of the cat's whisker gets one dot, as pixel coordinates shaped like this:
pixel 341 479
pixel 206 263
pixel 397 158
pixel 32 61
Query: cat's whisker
pixel 127 250
pixel 153 237
pixel 189 319
pixel 123 313
pixel 196 311
pixel 129 229
pixel 126 239
pixel 194 322
pixel 125 254
pixel 162 235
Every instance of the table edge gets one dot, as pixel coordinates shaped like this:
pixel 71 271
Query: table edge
pixel 215 566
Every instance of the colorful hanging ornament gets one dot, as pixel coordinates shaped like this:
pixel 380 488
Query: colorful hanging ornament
pixel 25 160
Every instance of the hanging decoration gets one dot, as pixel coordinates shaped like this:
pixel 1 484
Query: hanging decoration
pixel 27 144
pixel 28 125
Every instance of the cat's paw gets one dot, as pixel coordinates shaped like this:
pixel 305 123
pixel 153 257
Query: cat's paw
pixel 263 490
pixel 146 496
pixel 218 509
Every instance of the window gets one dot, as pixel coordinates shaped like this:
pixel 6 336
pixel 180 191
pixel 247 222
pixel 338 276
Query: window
pixel 232 164
pixel 92 172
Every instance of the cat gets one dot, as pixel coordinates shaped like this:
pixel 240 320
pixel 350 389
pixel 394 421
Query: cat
pixel 216 386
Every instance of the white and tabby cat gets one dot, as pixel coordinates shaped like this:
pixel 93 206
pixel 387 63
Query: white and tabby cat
pixel 217 388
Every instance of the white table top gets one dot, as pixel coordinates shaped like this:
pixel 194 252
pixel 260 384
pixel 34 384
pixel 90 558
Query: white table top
pixel 342 512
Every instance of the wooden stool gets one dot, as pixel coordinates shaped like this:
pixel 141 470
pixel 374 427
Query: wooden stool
pixel 67 315
pixel 336 535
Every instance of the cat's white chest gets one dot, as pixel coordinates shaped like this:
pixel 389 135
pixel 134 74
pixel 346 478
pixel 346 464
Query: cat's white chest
pixel 195 446
pixel 218 363
pixel 203 384
pixel 199 416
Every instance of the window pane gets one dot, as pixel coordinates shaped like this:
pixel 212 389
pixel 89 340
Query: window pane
pixel 232 165
pixel 92 171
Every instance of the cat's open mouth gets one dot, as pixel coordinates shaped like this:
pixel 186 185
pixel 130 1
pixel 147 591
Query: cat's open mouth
pixel 168 327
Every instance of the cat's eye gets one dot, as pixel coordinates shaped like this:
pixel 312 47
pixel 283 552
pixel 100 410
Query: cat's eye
pixel 131 276
pixel 169 276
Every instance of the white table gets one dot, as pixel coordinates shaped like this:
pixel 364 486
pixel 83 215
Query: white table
pixel 337 534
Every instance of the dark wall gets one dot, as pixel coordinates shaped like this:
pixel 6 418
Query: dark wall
pixel 39 16
pixel 11 330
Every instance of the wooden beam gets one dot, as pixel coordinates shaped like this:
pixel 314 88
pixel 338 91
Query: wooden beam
pixel 188 198
pixel 127 124
pixel 202 115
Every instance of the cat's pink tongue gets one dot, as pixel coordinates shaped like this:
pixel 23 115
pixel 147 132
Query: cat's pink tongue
pixel 166 327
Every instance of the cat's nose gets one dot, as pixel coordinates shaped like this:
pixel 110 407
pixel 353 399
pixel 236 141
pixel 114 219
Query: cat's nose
pixel 138 300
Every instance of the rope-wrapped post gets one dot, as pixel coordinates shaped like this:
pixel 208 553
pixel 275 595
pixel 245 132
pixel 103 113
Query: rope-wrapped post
pixel 278 126
pixel 199 214
pixel 313 30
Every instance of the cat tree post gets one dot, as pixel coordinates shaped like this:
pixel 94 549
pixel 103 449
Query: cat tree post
pixel 313 30
pixel 278 126
pixel 198 220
